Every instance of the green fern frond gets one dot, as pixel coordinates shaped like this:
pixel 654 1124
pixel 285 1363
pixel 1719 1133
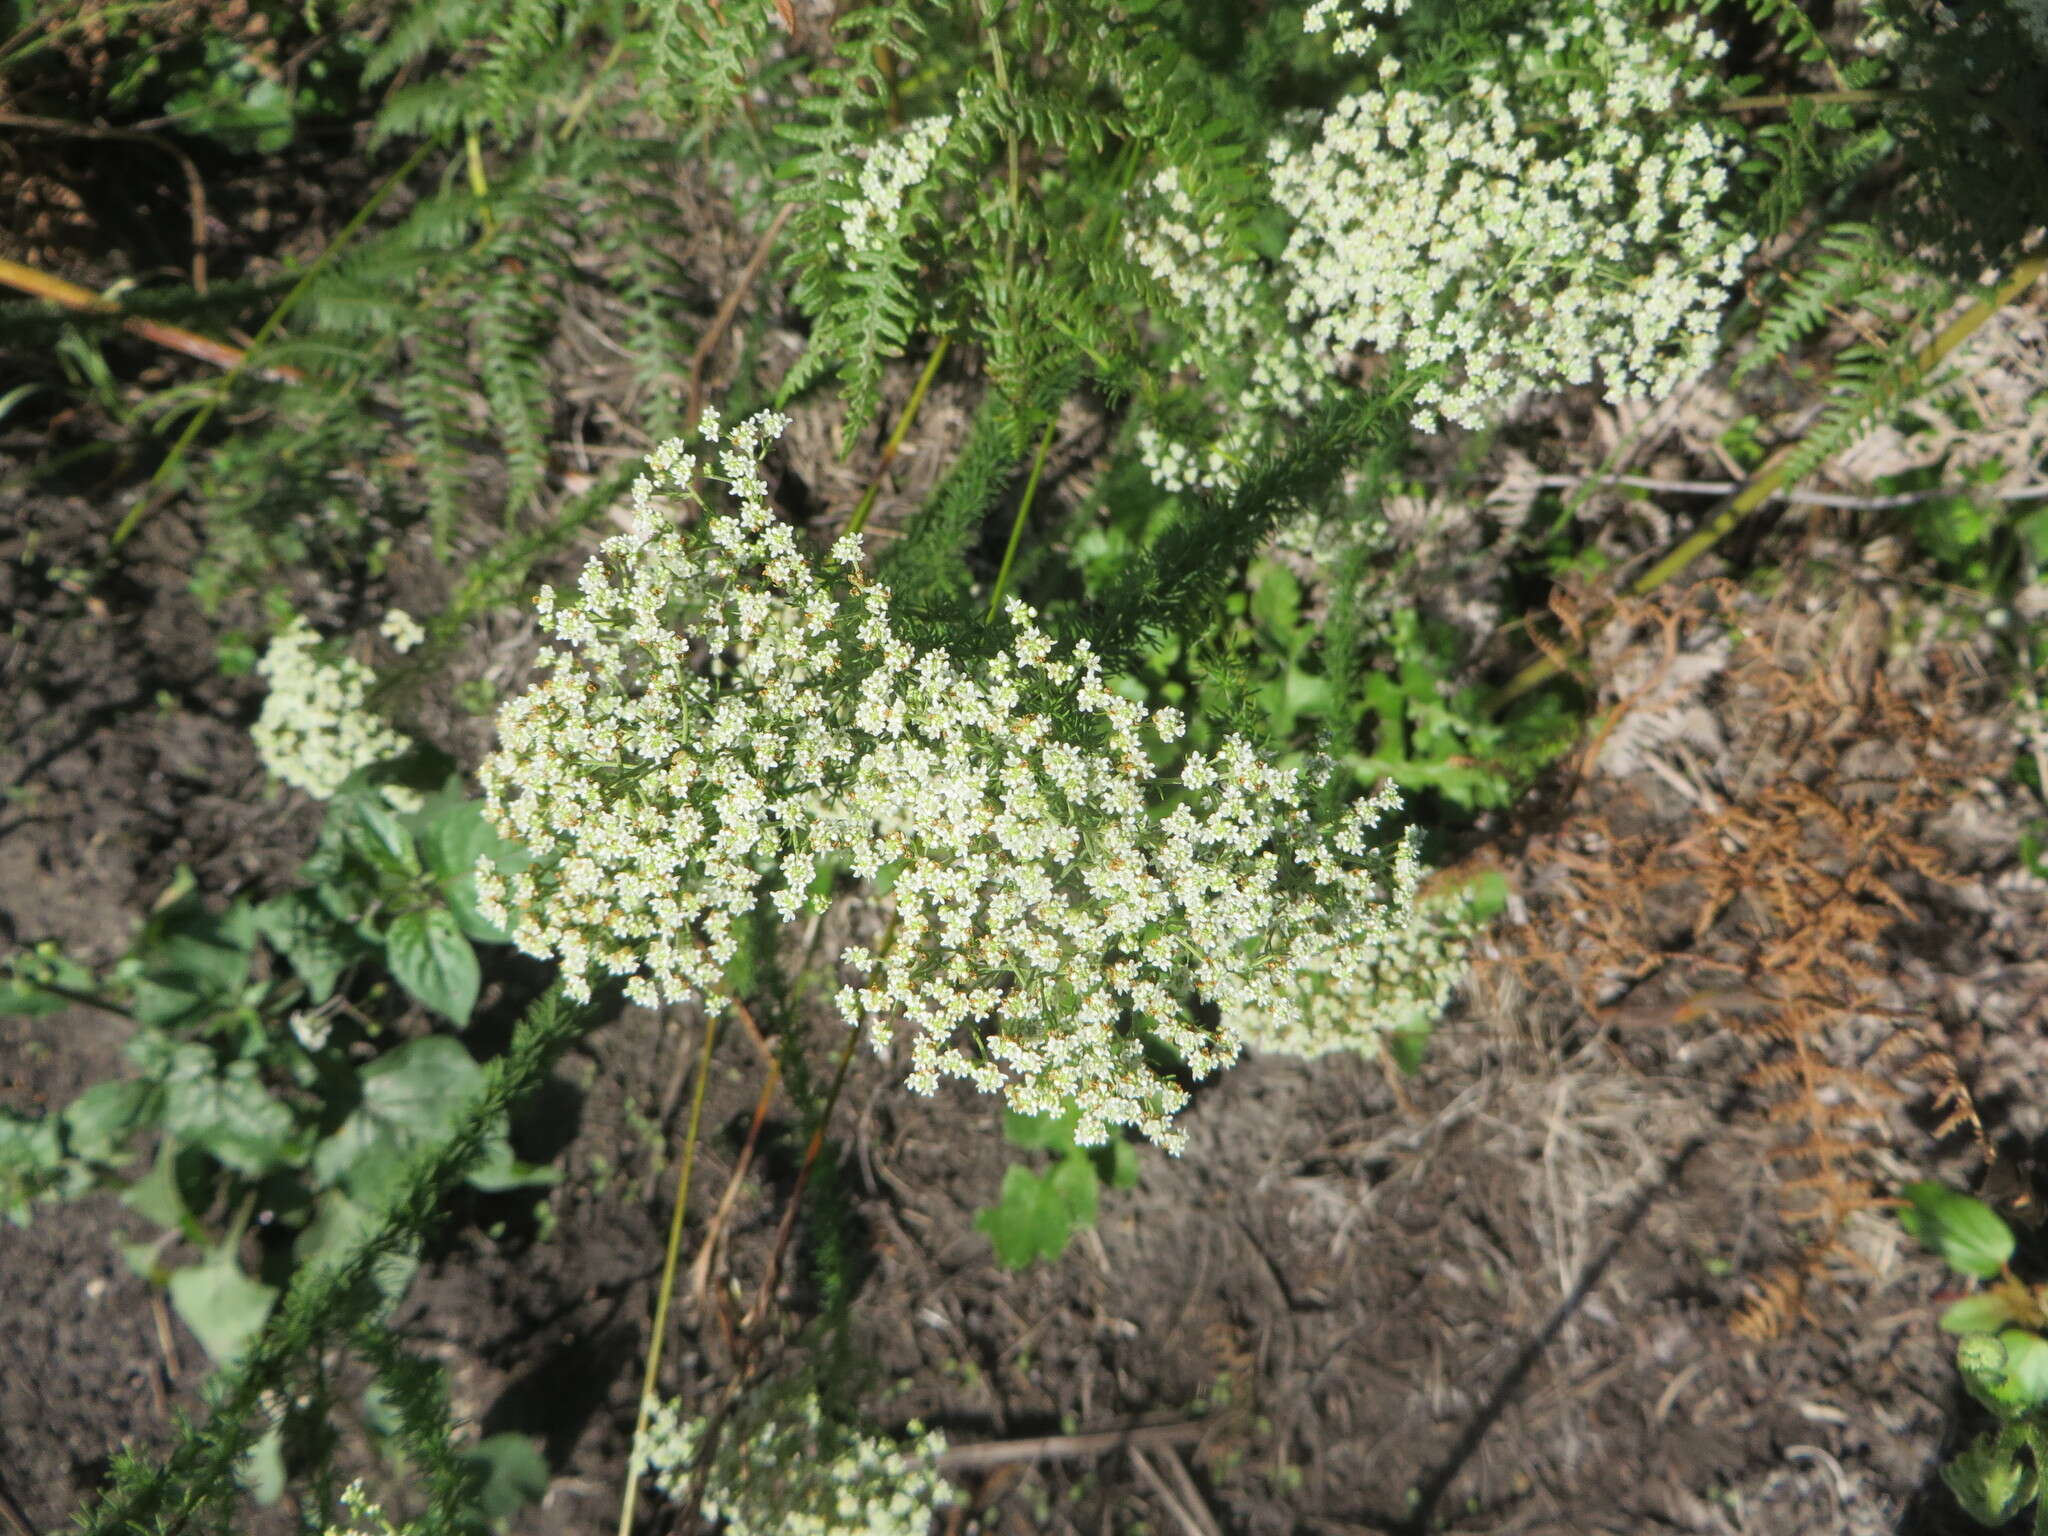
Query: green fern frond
pixel 1852 261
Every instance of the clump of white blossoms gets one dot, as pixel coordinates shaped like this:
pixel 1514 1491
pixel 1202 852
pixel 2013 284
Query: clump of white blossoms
pixel 780 1470
pixel 1550 224
pixel 726 713
pixel 1234 330
pixel 402 630
pixel 1547 223
pixel 316 727
pixel 366 1516
pixel 892 168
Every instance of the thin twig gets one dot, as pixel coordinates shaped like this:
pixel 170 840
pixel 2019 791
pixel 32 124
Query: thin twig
pixel 1848 500
pixel 1100 1442
pixel 1189 1522
pixel 759 1310
pixel 722 321
pixel 995 596
pixel 889 449
pixel 15 1516
pixel 700 1267
pixel 57 290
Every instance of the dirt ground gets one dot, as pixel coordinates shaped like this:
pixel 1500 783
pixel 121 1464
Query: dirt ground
pixel 1499 1297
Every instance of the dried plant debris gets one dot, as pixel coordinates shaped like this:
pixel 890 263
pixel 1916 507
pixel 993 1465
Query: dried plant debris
pixel 1746 839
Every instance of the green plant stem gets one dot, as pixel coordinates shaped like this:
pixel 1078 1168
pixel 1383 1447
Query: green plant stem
pixel 157 481
pixel 889 449
pixel 995 597
pixel 668 1276
pixel 1785 99
pixel 1773 474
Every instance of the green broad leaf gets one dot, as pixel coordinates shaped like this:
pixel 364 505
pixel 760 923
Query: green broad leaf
pixel 1989 1481
pixel 186 948
pixel 462 899
pixel 263 1467
pixel 227 1112
pixel 410 1098
pixel 500 1169
pixel 2026 1366
pixel 1408 1047
pixel 511 1473
pixel 1486 895
pixel 458 835
pixel 2033 530
pixel 1029 1222
pixel 1967 1233
pixel 146 1258
pixel 1037 1213
pixel 162 1196
pixel 20 997
pixel 431 959
pixel 339 1225
pixel 1977 1314
pixel 375 832
pixel 172 1004
pixel 31 1164
pixel 313 943
pixel 223 1307
pixel 1123 1165
pixel 1040 1133
pixel 98 1123
pixel 1074 1184
pixel 1276 603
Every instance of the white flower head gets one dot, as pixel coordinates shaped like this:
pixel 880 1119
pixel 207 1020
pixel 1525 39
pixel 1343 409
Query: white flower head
pixel 726 711
pixel 402 630
pixel 316 727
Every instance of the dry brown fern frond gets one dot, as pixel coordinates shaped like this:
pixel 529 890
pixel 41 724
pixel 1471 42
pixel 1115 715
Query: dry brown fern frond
pixel 1803 853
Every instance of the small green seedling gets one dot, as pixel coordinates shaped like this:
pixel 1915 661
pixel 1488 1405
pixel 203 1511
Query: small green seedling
pixel 274 1082
pixel 1038 1212
pixel 2002 1355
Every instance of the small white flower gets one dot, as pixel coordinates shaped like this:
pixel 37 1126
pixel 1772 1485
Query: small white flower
pixel 402 630
pixel 315 728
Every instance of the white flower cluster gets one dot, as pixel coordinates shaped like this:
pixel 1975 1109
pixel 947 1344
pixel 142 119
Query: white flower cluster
pixel 1352 35
pixel 780 1471
pixel 315 729
pixel 1234 314
pixel 366 1516
pixel 1548 224
pixel 1455 233
pixel 402 630
pixel 891 170
pixel 726 717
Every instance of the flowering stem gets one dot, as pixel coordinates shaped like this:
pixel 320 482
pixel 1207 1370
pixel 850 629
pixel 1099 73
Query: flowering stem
pixel 668 1274
pixel 1023 510
pixel 924 383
